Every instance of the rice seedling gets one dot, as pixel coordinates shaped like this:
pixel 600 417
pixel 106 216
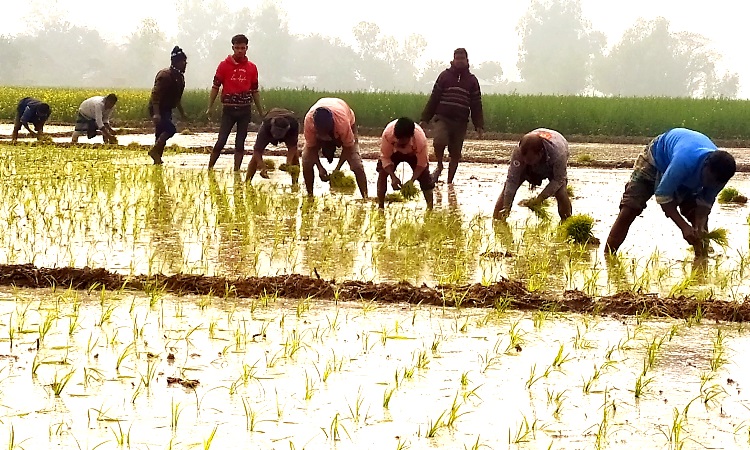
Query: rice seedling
pixel 127 351
pixel 584 159
pixel 175 410
pixel 560 359
pixel 577 228
pixel 540 209
pixel 59 383
pixel 408 190
pixel 334 429
pixel 121 438
pixel 388 394
pixel 731 195
pixel 309 387
pixel 526 432
pixel 210 439
pixel 641 385
pixel 355 409
pixel 716 236
pixel 533 378
pixel 340 180
pixel 434 425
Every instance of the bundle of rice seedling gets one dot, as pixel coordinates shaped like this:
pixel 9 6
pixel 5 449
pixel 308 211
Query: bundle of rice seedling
pixel 717 236
pixel 570 191
pixel 45 138
pixel 731 195
pixel 270 165
pixel 187 132
pixel 409 191
pixel 339 180
pixel 578 228
pixel 539 209
pixel 394 197
pixel 134 145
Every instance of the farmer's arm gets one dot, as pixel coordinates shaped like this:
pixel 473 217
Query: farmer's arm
pixel 559 175
pixel 349 141
pixel 420 143
pixel 513 180
pixel 258 106
pixel 433 101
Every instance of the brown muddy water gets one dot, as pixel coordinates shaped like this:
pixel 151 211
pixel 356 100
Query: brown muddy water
pixel 277 373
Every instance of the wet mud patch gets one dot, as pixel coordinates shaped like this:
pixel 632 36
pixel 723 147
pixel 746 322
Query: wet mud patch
pixel 506 294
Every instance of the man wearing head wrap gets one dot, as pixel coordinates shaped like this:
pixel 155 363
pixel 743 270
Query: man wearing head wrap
pixel 541 154
pixel 237 78
pixel 165 96
pixel 329 124
pixel 34 111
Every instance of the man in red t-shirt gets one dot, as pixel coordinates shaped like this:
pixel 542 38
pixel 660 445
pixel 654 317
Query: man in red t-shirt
pixel 238 79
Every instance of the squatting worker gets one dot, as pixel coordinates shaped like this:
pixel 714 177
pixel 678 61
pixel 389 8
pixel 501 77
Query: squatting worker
pixel 93 118
pixel 455 95
pixel 685 171
pixel 237 77
pixel 541 154
pixel 30 110
pixel 279 125
pixel 166 95
pixel 330 124
pixel 404 141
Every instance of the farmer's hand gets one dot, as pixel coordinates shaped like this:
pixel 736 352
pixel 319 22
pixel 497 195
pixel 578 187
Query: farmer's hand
pixel 691 235
pixel 423 124
pixel 530 202
pixel 323 173
pixel 395 183
pixel 502 214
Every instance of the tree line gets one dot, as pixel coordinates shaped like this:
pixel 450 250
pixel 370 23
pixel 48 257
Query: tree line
pixel 559 53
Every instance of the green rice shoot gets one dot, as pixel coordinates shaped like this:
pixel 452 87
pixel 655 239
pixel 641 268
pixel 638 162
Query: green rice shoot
pixel 570 191
pixel 270 165
pixel 339 180
pixel 578 228
pixel 409 191
pixel 540 210
pixel 292 169
pixel 731 195
pixel 394 197
pixel 716 236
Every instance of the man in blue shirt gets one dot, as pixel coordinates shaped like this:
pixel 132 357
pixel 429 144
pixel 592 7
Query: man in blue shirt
pixel 685 171
pixel 30 110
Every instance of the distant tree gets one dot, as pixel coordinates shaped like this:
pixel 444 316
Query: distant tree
pixel 650 60
pixel 429 74
pixel 271 45
pixel 326 64
pixel 148 46
pixel 388 64
pixel 557 47
pixel 10 53
pixel 204 30
pixel 61 54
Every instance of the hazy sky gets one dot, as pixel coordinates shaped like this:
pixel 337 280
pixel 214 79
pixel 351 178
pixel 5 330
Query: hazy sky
pixel 488 33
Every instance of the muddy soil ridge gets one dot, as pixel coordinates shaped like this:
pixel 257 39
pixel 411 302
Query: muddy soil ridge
pixel 501 294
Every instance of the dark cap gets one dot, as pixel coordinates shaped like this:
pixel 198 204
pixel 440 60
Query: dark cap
pixel 323 120
pixel 280 127
pixel 178 54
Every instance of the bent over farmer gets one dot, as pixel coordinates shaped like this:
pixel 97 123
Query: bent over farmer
pixel 541 154
pixel 685 171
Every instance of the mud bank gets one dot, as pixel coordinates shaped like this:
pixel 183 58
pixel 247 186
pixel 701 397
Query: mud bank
pixel 503 294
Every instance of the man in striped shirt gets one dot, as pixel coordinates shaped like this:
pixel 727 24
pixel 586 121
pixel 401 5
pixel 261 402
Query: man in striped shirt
pixel 455 95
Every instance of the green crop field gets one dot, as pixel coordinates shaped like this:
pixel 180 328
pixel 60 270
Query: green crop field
pixel 619 116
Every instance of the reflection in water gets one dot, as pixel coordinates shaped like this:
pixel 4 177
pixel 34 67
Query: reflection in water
pixel 97 208
pixel 166 243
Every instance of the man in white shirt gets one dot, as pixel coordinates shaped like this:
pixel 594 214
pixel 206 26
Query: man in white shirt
pixel 93 116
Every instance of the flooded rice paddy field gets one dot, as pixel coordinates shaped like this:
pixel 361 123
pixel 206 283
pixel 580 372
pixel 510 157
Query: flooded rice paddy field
pixel 116 369
pixel 305 373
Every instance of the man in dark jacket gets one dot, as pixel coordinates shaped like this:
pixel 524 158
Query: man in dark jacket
pixel 456 94
pixel 33 111
pixel 165 96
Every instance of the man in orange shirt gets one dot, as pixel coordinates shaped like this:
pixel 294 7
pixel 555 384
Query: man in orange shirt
pixel 404 141
pixel 238 79
pixel 329 124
